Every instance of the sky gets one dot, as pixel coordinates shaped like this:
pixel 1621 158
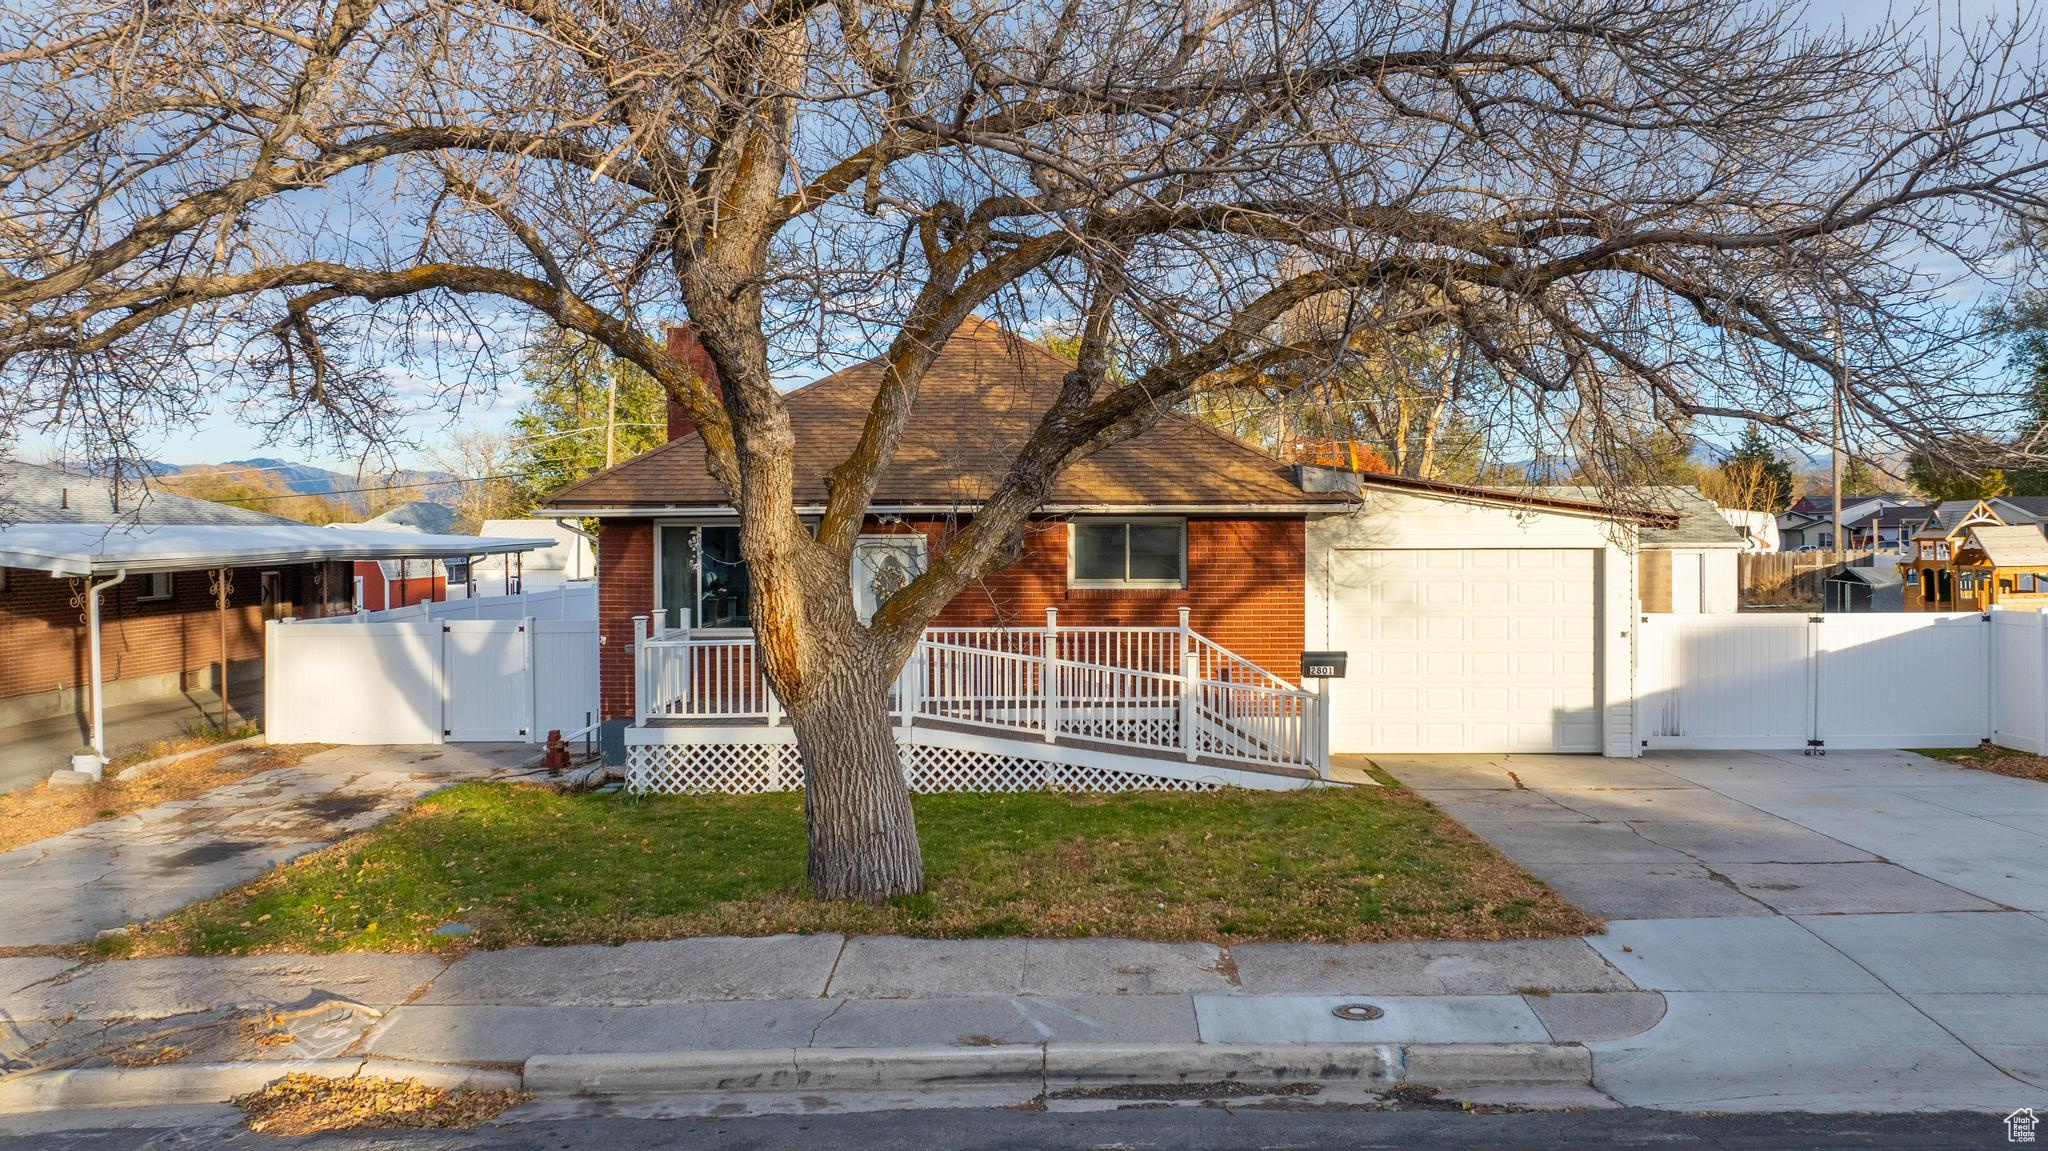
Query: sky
pixel 218 435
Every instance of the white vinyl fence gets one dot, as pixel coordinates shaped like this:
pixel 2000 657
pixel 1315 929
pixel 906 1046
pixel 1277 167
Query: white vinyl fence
pixel 429 681
pixel 570 601
pixel 1851 680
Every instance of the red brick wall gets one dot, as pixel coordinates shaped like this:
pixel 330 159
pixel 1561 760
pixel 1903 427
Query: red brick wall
pixel 46 646
pixel 425 585
pixel 625 588
pixel 1245 591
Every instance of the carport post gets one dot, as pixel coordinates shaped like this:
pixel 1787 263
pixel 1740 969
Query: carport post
pixel 221 590
pixel 92 625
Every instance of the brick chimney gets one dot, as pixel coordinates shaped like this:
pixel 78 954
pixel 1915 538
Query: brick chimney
pixel 685 346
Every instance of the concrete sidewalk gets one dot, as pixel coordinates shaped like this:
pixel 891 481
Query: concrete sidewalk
pixel 151 862
pixel 819 1011
pixel 1862 930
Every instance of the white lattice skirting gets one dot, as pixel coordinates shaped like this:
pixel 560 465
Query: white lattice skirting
pixel 747 768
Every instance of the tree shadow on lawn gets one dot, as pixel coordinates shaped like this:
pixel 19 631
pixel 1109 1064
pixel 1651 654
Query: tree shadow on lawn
pixel 519 865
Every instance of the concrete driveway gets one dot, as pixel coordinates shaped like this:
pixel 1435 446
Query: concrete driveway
pixel 151 862
pixel 1862 930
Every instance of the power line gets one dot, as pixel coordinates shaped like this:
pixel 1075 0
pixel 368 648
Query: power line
pixel 361 491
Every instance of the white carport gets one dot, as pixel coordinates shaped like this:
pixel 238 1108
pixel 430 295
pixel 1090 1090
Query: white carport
pixel 105 554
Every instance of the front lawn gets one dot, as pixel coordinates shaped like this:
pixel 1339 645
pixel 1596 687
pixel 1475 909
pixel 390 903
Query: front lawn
pixel 523 865
pixel 2002 760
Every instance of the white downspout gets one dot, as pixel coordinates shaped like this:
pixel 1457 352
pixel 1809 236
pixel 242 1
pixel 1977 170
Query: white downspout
pixel 92 625
pixel 565 525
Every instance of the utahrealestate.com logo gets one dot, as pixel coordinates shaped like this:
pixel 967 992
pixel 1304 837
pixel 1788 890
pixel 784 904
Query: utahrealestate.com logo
pixel 2020 1126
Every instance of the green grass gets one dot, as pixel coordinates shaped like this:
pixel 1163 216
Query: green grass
pixel 2000 760
pixel 528 866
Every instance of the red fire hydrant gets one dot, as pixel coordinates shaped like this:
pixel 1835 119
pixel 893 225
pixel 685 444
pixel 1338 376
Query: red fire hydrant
pixel 557 758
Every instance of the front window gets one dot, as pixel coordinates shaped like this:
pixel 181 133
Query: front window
pixel 154 586
pixel 1150 553
pixel 702 573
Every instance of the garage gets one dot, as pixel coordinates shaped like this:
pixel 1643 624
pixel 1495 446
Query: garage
pixel 1465 649
pixel 1475 620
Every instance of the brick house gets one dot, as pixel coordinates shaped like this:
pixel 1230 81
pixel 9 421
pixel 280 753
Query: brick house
pixel 1264 556
pixel 1180 515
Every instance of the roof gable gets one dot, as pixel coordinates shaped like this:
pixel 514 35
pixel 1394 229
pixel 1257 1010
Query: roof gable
pixel 2020 545
pixel 979 402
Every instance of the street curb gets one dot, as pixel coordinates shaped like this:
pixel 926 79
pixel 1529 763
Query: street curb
pixel 1056 1065
pixel 1049 1067
pixel 177 1084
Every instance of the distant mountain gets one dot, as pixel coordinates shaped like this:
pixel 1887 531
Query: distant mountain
pixel 357 494
pixel 304 479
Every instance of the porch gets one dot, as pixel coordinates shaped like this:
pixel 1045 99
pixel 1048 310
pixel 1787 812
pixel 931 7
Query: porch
pixel 991 709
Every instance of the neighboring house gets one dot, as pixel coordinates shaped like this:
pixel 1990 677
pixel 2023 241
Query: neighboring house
pixel 1810 522
pixel 1929 567
pixel 422 516
pixel 2021 509
pixel 1691 568
pixel 1759 530
pixel 380 584
pixel 1859 588
pixel 544 569
pixel 1888 528
pixel 122 587
pixel 1476 619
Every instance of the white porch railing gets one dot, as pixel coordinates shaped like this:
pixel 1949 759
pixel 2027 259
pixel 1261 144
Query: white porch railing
pixel 1154 689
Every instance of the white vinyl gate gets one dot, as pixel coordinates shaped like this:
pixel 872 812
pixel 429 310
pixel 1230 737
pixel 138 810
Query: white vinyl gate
pixel 486 681
pixel 428 681
pixel 1853 680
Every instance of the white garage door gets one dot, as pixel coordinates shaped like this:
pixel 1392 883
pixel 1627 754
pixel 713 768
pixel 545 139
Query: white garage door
pixel 1464 650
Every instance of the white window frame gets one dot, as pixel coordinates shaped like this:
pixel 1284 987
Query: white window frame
pixel 1074 536
pixel 660 609
pixel 146 591
pixel 864 603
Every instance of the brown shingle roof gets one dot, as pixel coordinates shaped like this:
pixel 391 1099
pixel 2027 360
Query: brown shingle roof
pixel 979 401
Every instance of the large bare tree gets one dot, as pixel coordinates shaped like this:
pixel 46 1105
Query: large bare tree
pixel 331 209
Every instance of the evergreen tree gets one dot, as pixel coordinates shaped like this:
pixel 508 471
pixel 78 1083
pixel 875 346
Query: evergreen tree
pixel 1753 477
pixel 1860 479
pixel 560 429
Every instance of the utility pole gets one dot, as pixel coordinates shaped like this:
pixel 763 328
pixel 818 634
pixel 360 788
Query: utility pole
pixel 611 411
pixel 1835 468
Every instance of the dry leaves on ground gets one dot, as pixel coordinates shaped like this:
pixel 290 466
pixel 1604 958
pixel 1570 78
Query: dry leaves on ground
pixel 42 811
pixel 309 1104
pixel 2005 761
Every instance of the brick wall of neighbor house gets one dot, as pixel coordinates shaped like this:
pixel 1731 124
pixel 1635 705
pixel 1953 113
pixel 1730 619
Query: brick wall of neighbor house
pixel 1245 589
pixel 625 588
pixel 46 647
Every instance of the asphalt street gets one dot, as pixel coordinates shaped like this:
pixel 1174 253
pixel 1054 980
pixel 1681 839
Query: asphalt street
pixel 1176 1128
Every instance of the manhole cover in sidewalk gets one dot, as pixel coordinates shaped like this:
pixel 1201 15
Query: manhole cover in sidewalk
pixel 1356 1012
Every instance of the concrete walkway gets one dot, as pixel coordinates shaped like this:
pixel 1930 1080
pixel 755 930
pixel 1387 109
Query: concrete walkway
pixel 151 862
pixel 781 997
pixel 1861 930
pixel 30 751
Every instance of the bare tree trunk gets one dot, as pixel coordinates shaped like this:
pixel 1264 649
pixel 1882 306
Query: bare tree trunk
pixel 863 834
